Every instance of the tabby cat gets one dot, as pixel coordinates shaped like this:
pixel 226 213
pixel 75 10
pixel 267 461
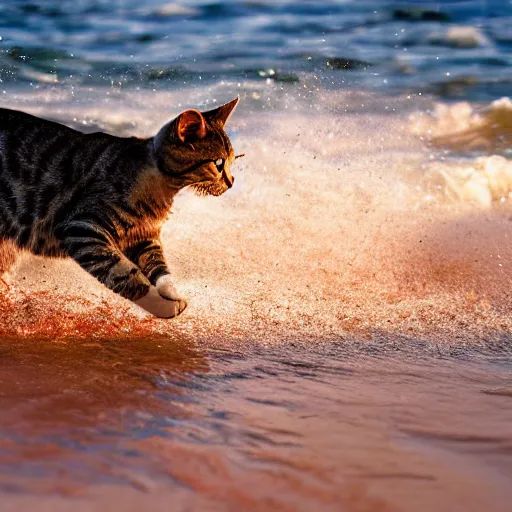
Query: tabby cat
pixel 102 200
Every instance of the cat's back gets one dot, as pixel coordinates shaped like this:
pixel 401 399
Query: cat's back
pixel 13 120
pixel 23 136
pixel 30 147
pixel 21 132
pixel 45 162
pixel 47 171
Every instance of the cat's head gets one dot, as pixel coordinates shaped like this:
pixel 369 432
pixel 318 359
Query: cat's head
pixel 194 150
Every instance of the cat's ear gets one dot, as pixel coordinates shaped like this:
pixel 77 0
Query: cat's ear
pixel 190 125
pixel 223 113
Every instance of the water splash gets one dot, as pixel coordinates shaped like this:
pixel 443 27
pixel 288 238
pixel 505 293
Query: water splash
pixel 462 127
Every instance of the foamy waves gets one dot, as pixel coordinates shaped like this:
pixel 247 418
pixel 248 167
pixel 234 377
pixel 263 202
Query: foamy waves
pixel 340 226
pixel 461 130
pixel 462 127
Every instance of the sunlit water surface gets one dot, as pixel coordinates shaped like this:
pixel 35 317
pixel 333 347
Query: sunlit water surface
pixel 164 423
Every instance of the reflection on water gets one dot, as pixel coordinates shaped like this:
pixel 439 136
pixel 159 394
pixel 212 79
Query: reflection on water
pixel 69 407
pixel 292 428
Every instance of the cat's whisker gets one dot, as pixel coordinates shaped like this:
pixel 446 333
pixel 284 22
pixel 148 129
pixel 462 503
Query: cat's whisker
pixel 239 156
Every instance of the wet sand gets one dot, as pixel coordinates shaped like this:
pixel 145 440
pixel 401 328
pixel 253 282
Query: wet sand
pixel 167 424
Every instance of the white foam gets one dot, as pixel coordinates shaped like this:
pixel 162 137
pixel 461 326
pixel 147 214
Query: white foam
pixel 463 127
pixel 460 37
pixel 176 9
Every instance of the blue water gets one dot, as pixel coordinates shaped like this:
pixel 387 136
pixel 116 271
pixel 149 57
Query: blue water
pixel 386 45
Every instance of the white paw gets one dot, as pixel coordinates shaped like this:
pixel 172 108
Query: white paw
pixel 159 306
pixel 166 288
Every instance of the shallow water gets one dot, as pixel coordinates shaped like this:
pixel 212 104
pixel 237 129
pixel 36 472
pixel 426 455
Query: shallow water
pixel 347 343
pixel 166 422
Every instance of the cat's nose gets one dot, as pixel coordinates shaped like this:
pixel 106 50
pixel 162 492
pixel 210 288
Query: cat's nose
pixel 228 180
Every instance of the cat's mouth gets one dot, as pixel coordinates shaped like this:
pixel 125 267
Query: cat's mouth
pixel 218 186
pixel 208 188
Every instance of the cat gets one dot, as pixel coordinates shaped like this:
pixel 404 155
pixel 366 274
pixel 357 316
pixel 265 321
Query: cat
pixel 102 199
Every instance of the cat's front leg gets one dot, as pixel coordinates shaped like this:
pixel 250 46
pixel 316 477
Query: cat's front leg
pixel 95 251
pixel 8 255
pixel 149 257
pixel 158 305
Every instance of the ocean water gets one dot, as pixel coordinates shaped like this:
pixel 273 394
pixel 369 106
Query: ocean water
pixel 347 343
pixel 451 48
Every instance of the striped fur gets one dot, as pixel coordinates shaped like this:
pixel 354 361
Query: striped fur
pixel 101 199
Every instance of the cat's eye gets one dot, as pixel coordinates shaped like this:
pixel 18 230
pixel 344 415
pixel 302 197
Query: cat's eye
pixel 219 164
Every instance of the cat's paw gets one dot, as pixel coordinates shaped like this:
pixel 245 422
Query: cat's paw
pixel 153 302
pixel 166 288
